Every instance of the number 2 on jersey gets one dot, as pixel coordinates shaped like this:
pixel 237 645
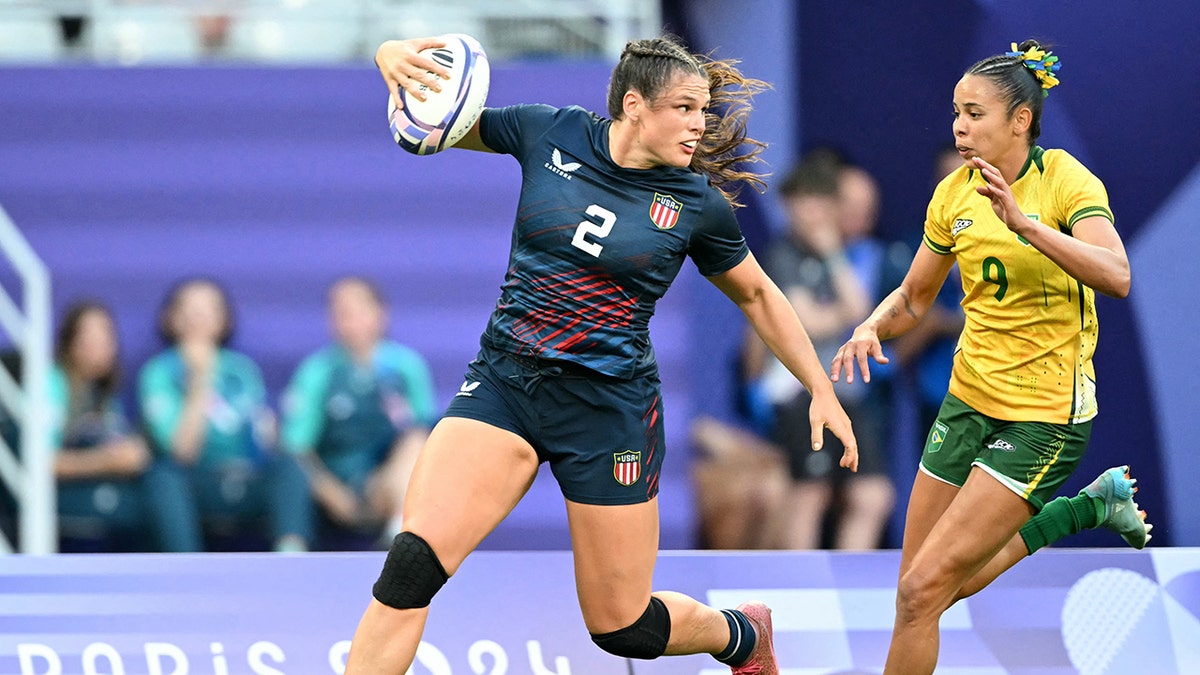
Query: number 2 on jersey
pixel 596 230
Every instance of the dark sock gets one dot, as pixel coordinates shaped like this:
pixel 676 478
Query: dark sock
pixel 741 639
pixel 1060 518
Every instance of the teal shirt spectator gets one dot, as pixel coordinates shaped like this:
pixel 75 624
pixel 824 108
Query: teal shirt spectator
pixel 236 408
pixel 350 413
pixel 95 421
pixel 101 512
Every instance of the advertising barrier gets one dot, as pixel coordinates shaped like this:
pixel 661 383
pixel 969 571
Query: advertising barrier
pixel 1093 612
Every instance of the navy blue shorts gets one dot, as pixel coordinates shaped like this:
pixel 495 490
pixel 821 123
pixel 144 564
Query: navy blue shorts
pixel 602 435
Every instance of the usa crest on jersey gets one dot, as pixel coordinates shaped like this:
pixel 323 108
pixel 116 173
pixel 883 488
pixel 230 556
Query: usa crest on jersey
pixel 627 467
pixel 664 211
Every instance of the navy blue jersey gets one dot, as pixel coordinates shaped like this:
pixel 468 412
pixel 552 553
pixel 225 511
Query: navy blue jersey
pixel 596 245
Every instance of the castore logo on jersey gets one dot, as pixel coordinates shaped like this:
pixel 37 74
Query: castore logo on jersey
pixel 564 169
pixel 466 388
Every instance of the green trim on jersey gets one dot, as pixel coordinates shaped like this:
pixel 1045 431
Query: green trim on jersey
pixel 1035 157
pixel 1089 211
pixel 936 247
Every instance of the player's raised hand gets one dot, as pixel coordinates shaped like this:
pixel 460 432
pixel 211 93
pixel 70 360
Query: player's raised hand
pixel 826 411
pixel 401 64
pixel 862 344
pixel 1000 193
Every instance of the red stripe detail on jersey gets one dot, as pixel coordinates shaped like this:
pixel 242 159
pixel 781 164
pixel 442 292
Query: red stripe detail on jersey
pixel 597 301
pixel 651 445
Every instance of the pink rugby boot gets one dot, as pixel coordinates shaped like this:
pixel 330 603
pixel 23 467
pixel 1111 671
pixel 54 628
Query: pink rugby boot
pixel 762 659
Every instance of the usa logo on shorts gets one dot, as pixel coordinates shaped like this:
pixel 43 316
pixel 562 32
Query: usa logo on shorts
pixel 627 467
pixel 664 211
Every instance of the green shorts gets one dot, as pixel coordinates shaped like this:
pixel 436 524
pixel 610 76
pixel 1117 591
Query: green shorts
pixel 1033 459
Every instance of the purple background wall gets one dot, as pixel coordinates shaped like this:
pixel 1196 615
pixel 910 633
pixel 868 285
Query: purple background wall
pixel 278 180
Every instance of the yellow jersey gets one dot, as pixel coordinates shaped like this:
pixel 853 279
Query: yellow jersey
pixel 1025 353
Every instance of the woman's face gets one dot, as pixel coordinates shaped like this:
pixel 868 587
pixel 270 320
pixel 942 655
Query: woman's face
pixel 672 124
pixel 358 320
pixel 93 351
pixel 199 314
pixel 858 204
pixel 982 126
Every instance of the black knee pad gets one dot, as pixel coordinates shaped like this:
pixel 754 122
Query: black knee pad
pixel 645 639
pixel 412 574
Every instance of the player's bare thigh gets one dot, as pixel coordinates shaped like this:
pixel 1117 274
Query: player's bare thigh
pixel 983 517
pixel 468 477
pixel 615 549
pixel 929 499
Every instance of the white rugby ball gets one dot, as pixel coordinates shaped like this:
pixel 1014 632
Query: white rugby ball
pixel 443 118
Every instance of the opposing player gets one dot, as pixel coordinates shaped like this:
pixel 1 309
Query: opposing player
pixel 1033 235
pixel 566 373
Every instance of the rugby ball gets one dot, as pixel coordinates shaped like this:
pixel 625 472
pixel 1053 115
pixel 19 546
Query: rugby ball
pixel 443 118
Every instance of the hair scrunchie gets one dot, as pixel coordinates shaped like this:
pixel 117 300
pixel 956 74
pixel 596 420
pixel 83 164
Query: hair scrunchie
pixel 1044 64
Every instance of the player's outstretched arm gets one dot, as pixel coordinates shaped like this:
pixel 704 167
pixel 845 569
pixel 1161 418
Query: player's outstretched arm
pixel 773 318
pixel 900 310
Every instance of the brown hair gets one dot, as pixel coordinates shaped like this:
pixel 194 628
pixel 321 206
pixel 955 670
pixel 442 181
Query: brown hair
pixel 647 67
pixel 68 332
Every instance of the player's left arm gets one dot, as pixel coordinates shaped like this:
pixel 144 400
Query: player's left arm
pixel 775 321
pixel 1093 253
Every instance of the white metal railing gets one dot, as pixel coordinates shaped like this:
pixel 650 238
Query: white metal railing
pixel 134 32
pixel 29 474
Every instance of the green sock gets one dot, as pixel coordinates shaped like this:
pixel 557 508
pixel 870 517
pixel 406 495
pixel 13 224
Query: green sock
pixel 1060 518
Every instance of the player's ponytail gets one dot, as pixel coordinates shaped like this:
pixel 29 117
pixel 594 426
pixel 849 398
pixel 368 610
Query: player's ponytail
pixel 1023 77
pixel 725 150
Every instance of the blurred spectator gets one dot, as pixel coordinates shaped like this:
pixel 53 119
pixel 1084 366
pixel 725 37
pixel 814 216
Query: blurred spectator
pixel 740 478
pixel 810 264
pixel 927 350
pixel 214 21
pixel 213 31
pixel 204 406
pixel 741 485
pixel 102 505
pixel 881 267
pixel 357 414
